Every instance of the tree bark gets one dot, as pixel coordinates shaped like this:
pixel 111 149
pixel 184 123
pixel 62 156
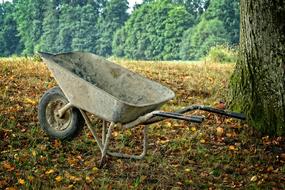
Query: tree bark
pixel 258 82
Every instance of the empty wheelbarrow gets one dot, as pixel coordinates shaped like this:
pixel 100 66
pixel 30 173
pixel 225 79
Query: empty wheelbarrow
pixel 89 83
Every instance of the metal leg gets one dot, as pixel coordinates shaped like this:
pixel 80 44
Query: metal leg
pixel 106 139
pixel 104 131
pixel 88 123
pixel 106 143
pixel 137 157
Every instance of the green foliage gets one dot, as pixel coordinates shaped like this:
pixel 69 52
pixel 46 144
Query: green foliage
pixel 113 17
pixel 48 41
pixel 70 28
pixel 194 7
pixel 84 39
pixel 29 16
pixel 9 41
pixel 154 31
pixel 219 24
pixel 222 54
pixel 67 26
pixel 226 11
pixel 199 40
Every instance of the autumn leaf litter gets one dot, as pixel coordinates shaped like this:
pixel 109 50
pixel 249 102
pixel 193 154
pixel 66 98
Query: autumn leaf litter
pixel 220 153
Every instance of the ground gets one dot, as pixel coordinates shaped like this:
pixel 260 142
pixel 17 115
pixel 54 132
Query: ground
pixel 221 153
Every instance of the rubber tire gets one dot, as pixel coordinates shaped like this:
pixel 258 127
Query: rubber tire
pixel 76 122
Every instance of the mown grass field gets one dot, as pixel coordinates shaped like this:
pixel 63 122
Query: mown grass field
pixel 221 153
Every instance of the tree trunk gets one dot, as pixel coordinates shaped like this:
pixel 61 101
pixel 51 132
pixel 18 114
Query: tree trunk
pixel 258 82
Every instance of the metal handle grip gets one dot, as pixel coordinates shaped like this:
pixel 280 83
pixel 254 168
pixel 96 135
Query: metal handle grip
pixel 195 119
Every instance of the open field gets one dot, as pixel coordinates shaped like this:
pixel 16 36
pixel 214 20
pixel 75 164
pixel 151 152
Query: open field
pixel 221 153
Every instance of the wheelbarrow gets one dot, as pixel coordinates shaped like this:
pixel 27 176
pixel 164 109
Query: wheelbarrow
pixel 89 83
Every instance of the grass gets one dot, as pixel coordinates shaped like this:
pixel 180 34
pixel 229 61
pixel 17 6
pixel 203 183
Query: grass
pixel 181 155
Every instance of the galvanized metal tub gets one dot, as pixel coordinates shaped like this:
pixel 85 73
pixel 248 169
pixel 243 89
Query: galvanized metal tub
pixel 105 89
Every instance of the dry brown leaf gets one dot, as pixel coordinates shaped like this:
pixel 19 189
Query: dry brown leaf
pixel 49 171
pixel 21 181
pixel 8 166
pixel 58 178
pixel 253 178
pixel 30 101
pixel 282 156
pixel 220 131
pixel 232 147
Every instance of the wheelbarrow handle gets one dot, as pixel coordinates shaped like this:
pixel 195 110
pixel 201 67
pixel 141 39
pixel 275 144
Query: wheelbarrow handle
pixel 198 107
pixel 195 119
pixel 213 110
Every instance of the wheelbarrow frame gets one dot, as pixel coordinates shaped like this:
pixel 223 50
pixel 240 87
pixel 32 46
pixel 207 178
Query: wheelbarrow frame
pixel 144 116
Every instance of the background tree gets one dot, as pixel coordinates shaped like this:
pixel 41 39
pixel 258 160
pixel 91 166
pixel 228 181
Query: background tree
pixel 199 40
pixel 29 16
pixel 113 17
pixel 9 39
pixel 258 83
pixel 228 12
pixel 219 24
pixel 194 7
pixel 48 41
pixel 85 37
pixel 154 31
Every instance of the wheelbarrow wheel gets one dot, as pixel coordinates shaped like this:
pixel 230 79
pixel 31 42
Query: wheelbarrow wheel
pixel 66 127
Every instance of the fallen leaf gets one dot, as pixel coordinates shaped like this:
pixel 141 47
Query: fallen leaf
pixel 282 156
pixel 142 178
pixel 270 169
pixel 8 166
pixel 10 188
pixel 229 135
pixel 95 169
pixel 88 179
pixel 58 178
pixel 21 181
pixel 30 178
pixel 253 178
pixel 72 161
pixel 202 141
pixel 232 147
pixel 34 153
pixel 220 105
pixel 115 134
pixel 57 144
pixel 220 131
pixel 2 183
pixel 72 177
pixel 168 124
pixel 187 170
pixel 49 171
pixel 42 147
pixel 163 141
pixel 193 129
pixel 30 101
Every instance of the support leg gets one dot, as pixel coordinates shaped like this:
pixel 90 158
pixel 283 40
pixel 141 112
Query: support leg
pixel 106 139
pixel 104 131
pixel 106 144
pixel 88 123
pixel 137 157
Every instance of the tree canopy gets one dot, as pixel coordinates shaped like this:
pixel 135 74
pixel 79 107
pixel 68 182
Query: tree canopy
pixel 155 29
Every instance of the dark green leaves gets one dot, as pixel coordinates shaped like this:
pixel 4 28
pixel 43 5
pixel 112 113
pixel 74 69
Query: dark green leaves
pixel 153 32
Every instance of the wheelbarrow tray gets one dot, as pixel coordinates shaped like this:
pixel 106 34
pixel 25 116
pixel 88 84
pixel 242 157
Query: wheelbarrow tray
pixel 105 89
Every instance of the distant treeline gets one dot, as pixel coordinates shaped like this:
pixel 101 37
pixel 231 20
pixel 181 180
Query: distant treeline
pixel 155 30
